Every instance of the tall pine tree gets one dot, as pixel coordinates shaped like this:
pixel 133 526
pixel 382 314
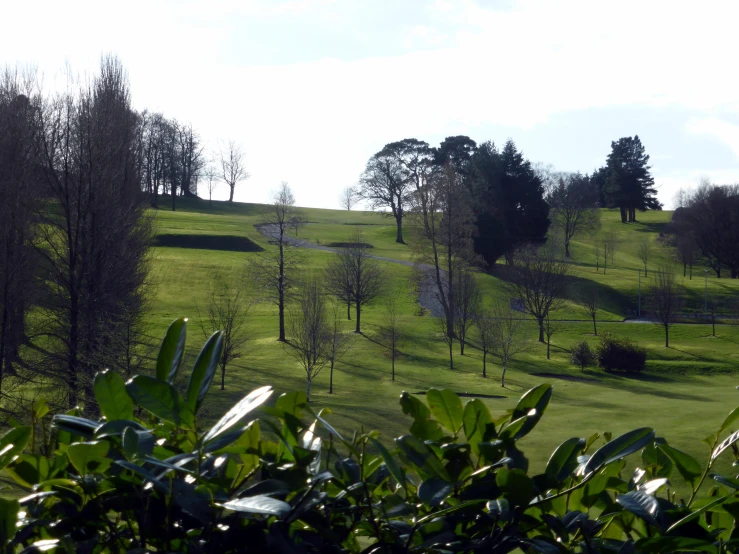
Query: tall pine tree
pixel 629 185
pixel 511 210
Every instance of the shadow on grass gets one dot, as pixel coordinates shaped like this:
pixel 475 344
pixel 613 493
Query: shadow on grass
pixel 228 243
pixel 651 227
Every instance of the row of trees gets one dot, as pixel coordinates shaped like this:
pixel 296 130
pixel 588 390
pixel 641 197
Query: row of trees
pixel 74 231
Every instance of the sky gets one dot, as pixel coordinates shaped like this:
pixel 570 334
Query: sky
pixel 313 88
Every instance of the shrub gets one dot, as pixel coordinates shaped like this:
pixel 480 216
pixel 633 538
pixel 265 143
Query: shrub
pixel 619 354
pixel 150 477
pixel 581 354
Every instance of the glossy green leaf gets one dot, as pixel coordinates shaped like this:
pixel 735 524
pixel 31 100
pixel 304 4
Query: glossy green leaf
pixel 29 469
pixel 446 407
pixel 517 486
pixel 390 462
pixel 687 466
pixel 259 505
pixel 422 457
pixel 130 442
pixel 658 545
pixel 242 409
pixel 292 403
pixel 204 370
pixel 75 426
pixel 40 408
pixel 729 420
pixel 478 424
pixel 110 393
pixel 500 509
pixel 433 491
pixel 725 445
pixel 641 505
pixel 622 446
pixel 9 509
pixel 532 406
pixel 172 351
pixel 12 444
pixel 89 457
pixel 160 399
pixel 413 407
pixel 563 461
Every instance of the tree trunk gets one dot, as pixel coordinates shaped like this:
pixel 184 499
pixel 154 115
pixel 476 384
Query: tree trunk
pixel 691 272
pixel 399 224
pixel 541 332
pixel 359 315
pixel 502 376
pixel 393 364
pixel 281 309
pixel 567 248
pixel 223 376
pixel 548 343
pixel 484 363
pixel 307 389
pixel 461 347
pixel 713 324
pixel 595 329
pixel 349 310
pixel 451 356
pixel 331 378
pixel 623 215
pixel 667 336
pixel 231 195
pixel 685 270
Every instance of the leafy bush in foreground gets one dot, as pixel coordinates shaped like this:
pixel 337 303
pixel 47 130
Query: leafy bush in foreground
pixel 620 354
pixel 457 482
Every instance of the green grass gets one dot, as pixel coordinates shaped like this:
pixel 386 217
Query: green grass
pixel 685 393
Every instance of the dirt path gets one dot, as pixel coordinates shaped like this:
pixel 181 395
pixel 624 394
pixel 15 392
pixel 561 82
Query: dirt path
pixel 426 297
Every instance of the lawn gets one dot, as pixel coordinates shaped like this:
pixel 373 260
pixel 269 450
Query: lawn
pixel 685 393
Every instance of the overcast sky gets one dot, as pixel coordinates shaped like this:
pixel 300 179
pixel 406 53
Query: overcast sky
pixel 313 88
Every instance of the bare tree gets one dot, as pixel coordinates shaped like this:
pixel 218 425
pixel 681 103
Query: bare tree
pixel 390 331
pixel 94 232
pixel 687 251
pixel 551 326
pixel 538 280
pixel 590 299
pixel 443 225
pixel 667 299
pixel 609 250
pixel 645 249
pixel 509 336
pixel 212 180
pixel 338 345
pixel 441 327
pixel 487 327
pixel 596 245
pixel 310 333
pixel 233 167
pixel 467 295
pixel 297 221
pixel 273 269
pixel 349 198
pixel 20 194
pixel 226 309
pixel 384 186
pixel 574 209
pixel 354 276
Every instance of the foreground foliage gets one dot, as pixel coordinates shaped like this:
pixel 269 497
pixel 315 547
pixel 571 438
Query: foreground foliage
pixel 147 476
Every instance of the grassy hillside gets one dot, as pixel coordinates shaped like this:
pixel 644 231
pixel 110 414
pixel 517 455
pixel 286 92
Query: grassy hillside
pixel 686 391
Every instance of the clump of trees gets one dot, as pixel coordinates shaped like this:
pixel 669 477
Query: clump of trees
pixel 74 228
pixel 708 225
pixel 625 182
pixel 574 207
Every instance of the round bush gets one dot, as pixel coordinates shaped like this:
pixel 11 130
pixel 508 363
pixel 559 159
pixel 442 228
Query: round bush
pixel 618 354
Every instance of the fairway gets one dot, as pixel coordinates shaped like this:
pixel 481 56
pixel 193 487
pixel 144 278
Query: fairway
pixel 684 394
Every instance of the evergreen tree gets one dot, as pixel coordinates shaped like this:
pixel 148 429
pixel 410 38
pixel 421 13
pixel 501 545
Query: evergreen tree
pixel 629 185
pixel 511 210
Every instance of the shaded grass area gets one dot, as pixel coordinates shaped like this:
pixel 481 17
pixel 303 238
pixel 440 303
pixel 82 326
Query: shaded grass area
pixel 229 243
